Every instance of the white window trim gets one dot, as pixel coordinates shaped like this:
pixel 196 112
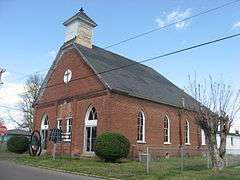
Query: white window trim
pixel 67 76
pixel 58 124
pixel 203 137
pixel 143 133
pixel 141 142
pixel 167 143
pixel 88 123
pixel 169 131
pixel 67 130
pixel 43 126
pixel 188 137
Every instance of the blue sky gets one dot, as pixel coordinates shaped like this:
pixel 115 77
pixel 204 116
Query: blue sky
pixel 31 33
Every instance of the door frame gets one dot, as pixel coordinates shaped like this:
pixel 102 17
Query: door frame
pixel 91 144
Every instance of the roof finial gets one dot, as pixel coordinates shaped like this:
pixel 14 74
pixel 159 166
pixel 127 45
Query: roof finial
pixel 81 10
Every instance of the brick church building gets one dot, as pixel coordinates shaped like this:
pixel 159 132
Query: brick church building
pixel 89 90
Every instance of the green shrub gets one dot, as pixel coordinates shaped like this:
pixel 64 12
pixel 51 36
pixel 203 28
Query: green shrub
pixel 18 144
pixel 111 146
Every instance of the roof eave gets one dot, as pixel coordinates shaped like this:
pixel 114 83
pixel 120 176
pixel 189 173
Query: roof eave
pixel 69 21
pixel 120 92
pixel 43 86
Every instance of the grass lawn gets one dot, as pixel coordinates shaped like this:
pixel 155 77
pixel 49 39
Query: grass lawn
pixel 166 169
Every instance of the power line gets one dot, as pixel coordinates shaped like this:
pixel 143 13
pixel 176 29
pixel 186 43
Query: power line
pixel 171 24
pixel 149 59
pixel 138 63
pixel 151 31
pixel 153 58
pixel 12 108
pixel 27 75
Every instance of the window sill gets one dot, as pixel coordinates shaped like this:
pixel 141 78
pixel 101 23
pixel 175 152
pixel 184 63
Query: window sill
pixel 204 144
pixel 67 141
pixel 188 144
pixel 167 143
pixel 141 142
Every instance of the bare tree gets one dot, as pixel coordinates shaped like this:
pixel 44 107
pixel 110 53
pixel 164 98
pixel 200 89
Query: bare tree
pixel 31 88
pixel 217 108
pixel 1 73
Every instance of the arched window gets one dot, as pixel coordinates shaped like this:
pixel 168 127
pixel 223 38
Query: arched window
pixel 186 133
pixel 166 129
pixel 203 137
pixel 44 130
pixel 45 122
pixel 90 129
pixel 141 127
pixel 93 114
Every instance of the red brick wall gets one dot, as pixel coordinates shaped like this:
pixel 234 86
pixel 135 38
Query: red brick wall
pixel 82 89
pixel 117 113
pixel 57 89
pixel 124 112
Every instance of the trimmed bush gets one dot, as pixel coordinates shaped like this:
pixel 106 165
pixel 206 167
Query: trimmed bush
pixel 18 144
pixel 111 146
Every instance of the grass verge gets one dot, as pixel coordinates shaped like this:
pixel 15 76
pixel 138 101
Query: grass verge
pixel 164 169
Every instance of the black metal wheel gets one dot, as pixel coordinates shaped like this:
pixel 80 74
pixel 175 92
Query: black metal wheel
pixel 35 147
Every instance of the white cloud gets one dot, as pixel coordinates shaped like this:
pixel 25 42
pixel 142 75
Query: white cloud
pixel 174 16
pixel 9 96
pixel 160 22
pixel 236 25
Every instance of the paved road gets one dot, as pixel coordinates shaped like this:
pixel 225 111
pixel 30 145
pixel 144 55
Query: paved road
pixel 9 171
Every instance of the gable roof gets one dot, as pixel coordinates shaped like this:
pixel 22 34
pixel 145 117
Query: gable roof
pixel 81 16
pixel 135 80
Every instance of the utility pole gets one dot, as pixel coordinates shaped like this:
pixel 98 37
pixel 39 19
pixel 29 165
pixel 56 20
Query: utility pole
pixel 1 73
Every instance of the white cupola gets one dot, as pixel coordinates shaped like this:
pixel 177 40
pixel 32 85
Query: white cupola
pixel 80 27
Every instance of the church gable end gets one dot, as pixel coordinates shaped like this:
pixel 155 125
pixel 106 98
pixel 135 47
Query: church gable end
pixel 67 78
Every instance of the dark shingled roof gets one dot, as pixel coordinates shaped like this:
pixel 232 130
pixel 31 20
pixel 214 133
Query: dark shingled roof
pixel 137 80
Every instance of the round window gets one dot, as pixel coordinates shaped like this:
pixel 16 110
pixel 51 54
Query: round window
pixel 67 76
